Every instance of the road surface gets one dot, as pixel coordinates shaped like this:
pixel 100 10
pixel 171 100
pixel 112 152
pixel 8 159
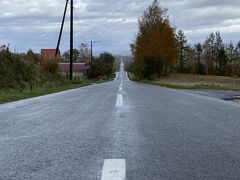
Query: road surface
pixel 220 94
pixel 120 130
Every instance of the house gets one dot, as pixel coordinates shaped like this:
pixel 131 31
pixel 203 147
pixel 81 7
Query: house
pixel 49 55
pixel 79 69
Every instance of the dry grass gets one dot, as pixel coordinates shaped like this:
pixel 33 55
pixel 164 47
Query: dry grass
pixel 189 81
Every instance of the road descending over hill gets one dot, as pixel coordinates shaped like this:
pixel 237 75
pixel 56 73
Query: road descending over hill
pixel 120 130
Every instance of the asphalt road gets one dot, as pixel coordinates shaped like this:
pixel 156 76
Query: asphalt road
pixel 147 132
pixel 220 94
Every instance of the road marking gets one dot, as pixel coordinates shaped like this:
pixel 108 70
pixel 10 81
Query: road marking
pixel 119 102
pixel 127 76
pixel 114 169
pixel 121 86
pixel 116 77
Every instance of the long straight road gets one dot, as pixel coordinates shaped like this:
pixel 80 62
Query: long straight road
pixel 120 130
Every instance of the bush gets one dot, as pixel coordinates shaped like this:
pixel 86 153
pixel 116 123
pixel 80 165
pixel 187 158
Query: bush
pixel 50 66
pixel 16 73
pixel 103 66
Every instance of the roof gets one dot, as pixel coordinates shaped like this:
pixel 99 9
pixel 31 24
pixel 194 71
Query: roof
pixel 77 67
pixel 48 54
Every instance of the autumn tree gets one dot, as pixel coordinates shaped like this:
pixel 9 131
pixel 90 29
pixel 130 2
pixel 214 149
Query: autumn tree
pixel 155 48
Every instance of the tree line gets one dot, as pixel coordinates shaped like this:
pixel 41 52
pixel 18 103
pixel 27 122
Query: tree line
pixel 212 57
pixel 158 50
pixel 83 54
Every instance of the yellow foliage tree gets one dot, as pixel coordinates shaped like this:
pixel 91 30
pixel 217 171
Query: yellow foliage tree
pixel 155 48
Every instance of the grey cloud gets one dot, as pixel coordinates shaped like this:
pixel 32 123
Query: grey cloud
pixel 35 24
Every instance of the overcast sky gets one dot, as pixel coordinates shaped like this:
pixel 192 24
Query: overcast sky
pixel 35 24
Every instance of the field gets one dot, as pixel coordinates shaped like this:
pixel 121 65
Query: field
pixel 189 81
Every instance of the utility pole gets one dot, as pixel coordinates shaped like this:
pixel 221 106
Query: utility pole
pixel 91 53
pixel 71 41
pixel 61 30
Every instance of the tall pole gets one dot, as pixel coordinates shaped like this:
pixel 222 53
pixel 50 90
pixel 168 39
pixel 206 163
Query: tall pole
pixel 61 30
pixel 91 53
pixel 71 41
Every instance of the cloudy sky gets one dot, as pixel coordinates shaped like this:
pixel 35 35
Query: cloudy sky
pixel 35 24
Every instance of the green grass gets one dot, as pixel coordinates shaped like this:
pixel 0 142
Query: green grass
pixel 10 95
pixel 191 82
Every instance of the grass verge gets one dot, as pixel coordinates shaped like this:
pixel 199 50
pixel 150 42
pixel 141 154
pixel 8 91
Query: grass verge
pixel 10 95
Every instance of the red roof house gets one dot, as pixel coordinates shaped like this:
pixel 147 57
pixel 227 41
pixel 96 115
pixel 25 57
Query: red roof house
pixel 79 69
pixel 49 54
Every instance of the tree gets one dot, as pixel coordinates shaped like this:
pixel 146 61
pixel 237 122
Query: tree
pixel 32 57
pixel 230 58
pixel 222 60
pixel 155 42
pixel 230 52
pixel 209 53
pixel 108 61
pixel 237 60
pixel 4 48
pixel 189 59
pixel 76 55
pixel 182 46
pixel 219 52
pixel 84 53
pixel 198 51
pixel 102 66
pixel 107 58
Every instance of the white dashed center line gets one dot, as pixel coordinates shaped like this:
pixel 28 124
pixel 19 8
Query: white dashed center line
pixel 121 87
pixel 119 102
pixel 114 169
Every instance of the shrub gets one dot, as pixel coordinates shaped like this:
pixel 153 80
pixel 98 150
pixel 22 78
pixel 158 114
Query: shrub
pixel 103 66
pixel 17 73
pixel 50 66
